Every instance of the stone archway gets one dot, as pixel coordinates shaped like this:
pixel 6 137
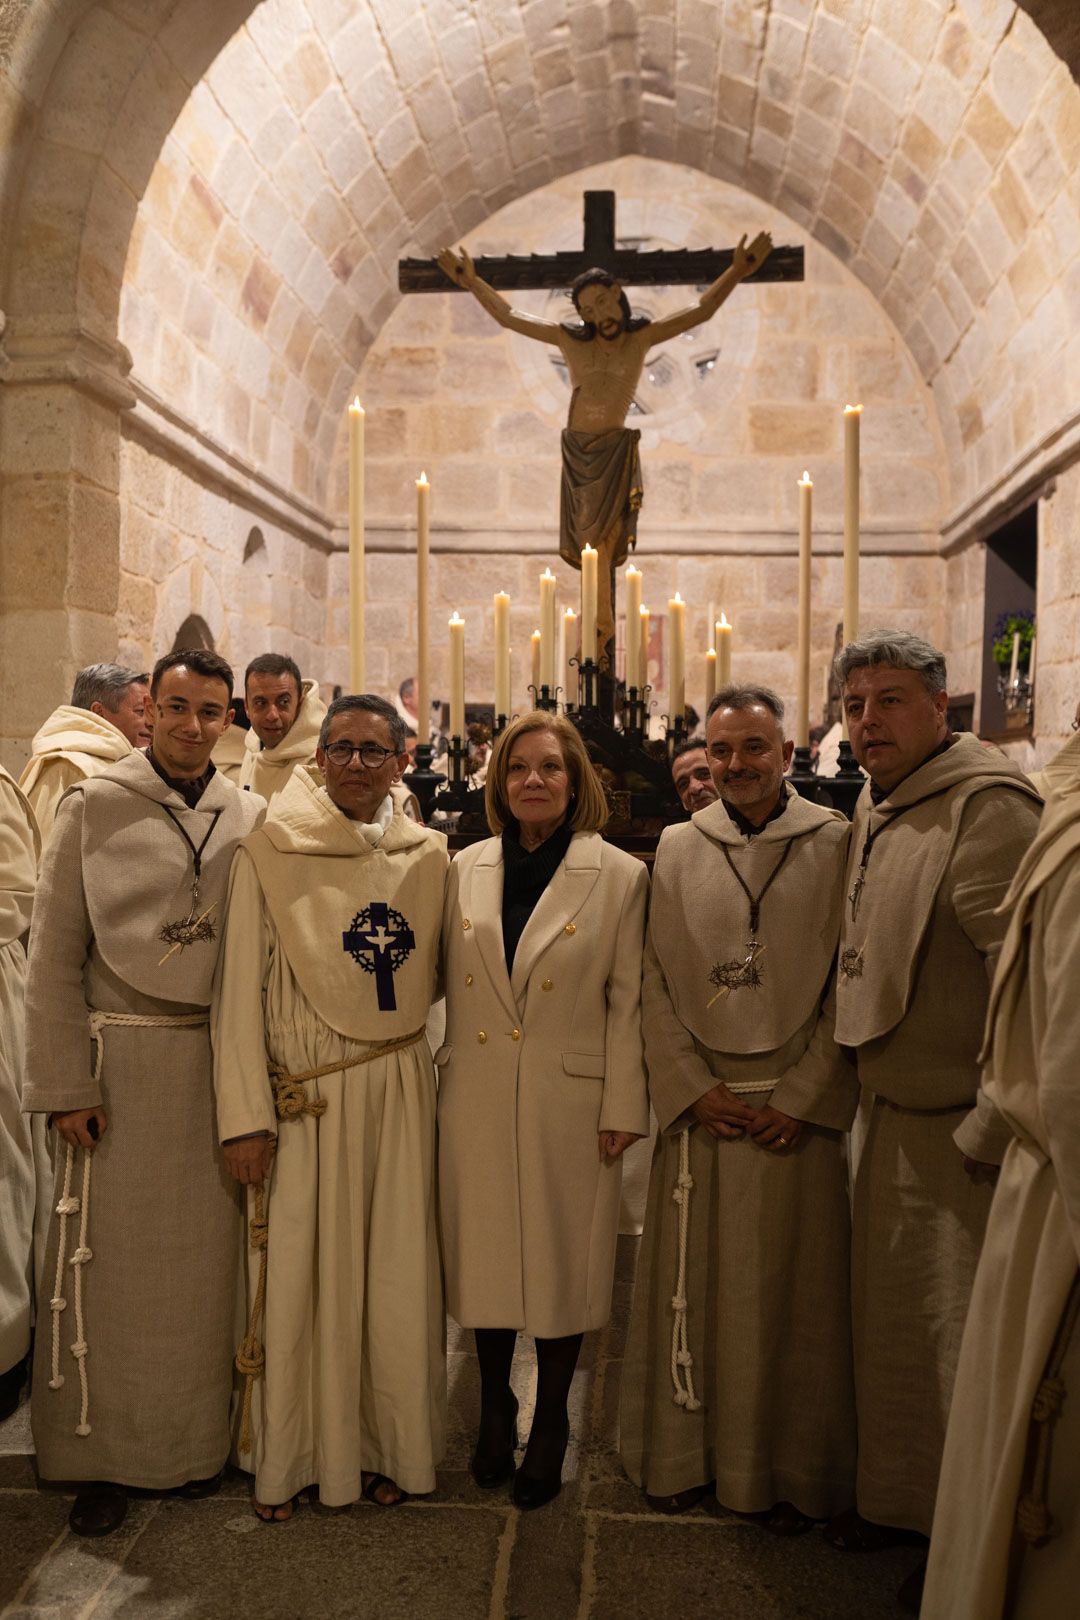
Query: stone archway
pixel 193 633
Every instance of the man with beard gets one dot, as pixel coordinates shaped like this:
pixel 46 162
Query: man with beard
pixel 738 1365
pixel 605 355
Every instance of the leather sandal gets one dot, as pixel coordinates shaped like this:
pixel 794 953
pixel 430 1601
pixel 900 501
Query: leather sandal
pixel 267 1512
pixel 376 1483
pixel 98 1510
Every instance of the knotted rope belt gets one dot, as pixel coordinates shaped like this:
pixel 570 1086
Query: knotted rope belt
pixel 1034 1520
pixel 70 1205
pixel 682 1362
pixel 290 1102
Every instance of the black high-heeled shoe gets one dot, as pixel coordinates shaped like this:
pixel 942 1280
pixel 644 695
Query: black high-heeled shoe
pixel 492 1463
pixel 535 1487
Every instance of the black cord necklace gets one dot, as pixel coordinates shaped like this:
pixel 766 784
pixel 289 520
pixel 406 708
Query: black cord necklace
pixel 190 929
pixel 736 975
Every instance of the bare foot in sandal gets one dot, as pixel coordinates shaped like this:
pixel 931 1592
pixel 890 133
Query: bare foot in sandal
pixel 273 1512
pixel 380 1490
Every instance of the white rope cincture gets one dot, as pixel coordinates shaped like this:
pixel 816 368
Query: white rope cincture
pixel 68 1205
pixel 682 1362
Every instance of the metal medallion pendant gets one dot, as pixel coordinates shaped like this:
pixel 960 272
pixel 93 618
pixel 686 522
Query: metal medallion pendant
pixel 851 963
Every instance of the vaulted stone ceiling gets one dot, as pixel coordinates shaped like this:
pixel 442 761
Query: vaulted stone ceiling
pixel 270 163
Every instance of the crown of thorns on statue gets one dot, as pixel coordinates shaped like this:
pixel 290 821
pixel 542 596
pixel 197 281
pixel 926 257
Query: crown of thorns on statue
pixel 397 954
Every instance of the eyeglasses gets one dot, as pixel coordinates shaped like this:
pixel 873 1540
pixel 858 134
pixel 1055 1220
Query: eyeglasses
pixel 372 754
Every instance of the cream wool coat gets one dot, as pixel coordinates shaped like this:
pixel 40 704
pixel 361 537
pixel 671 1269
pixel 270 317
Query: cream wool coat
pixel 72 745
pixel 535 1065
pixel 767 1254
pixel 266 771
pixel 354 1326
pixel 19 849
pixel 915 967
pixel 1028 1264
pixel 164 1223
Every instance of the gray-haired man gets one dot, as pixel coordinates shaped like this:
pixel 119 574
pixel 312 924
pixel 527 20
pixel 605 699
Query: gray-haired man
pixel 938 833
pixel 106 718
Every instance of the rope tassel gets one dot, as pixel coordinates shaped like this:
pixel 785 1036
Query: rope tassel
pixel 251 1354
pixel 81 1256
pixel 682 1362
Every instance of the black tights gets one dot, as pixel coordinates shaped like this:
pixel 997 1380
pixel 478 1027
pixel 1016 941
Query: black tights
pixel 555 1363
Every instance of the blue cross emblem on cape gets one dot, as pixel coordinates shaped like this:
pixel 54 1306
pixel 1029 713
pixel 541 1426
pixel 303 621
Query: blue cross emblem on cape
pixel 379 940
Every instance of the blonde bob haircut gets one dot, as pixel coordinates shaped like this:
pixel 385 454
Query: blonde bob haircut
pixel 588 806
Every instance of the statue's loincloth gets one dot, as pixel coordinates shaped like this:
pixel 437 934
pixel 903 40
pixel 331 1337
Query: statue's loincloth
pixel 601 492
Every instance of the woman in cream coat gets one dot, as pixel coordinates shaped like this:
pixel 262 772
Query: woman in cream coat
pixel 541 1082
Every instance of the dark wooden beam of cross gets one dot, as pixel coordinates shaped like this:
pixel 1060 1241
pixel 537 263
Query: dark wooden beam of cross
pixel 662 267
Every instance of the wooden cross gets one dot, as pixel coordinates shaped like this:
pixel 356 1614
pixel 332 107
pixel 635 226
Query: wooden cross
pixel 661 267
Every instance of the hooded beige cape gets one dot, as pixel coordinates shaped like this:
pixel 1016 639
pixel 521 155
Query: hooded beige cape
pixel 1059 773
pixel 163 1220
pixel 354 1326
pixel 266 770
pixel 1028 1264
pixel 72 745
pixel 915 967
pixel 230 752
pixel 767 1268
pixel 19 848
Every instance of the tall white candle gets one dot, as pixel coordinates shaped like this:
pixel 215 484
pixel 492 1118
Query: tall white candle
pixel 644 646
pixel 852 419
pixel 710 677
pixel 568 671
pixel 802 702
pixel 502 653
pixel 534 662
pixel 1015 657
pixel 357 583
pixel 423 682
pixel 548 612
pixel 676 657
pixel 589 562
pixel 457 676
pixel 723 652
pixel 633 617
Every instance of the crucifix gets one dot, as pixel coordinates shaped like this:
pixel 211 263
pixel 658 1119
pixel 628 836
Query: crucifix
pixel 605 353
pixel 379 940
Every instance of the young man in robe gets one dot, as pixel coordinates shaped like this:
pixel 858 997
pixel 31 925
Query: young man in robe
pixel 285 713
pixel 132 1360
pixel 939 831
pixel 738 1375
pixel 106 719
pixel 1006 1537
pixel 19 850
pixel 328 972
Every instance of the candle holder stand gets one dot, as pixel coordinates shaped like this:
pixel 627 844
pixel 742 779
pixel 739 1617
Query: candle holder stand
pixel 633 713
pixel 1018 696
pixel 674 735
pixel 422 780
pixel 588 677
pixel 501 723
pixel 838 792
pixel 546 697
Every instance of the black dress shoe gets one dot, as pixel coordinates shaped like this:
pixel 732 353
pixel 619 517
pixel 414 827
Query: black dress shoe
pixel 540 1482
pixel 99 1510
pixel 11 1384
pixel 194 1490
pixel 492 1463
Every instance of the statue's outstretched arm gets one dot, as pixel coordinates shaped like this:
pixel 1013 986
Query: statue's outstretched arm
pixel 745 260
pixel 460 268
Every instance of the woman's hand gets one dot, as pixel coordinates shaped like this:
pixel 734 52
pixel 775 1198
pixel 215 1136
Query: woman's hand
pixel 613 1144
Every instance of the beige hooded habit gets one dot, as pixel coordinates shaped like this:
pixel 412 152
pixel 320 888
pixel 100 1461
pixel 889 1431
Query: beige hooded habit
pixel 917 952
pixel 765 1405
pixel 266 771
pixel 19 848
pixel 1028 1265
pixel 72 745
pixel 536 1063
pixel 330 952
pixel 147 1266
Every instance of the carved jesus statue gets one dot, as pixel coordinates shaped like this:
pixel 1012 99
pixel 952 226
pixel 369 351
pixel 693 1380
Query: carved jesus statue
pixel 605 354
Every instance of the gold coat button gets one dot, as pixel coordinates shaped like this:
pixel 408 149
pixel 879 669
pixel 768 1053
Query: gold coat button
pixel 465 923
pixel 482 1036
pixel 515 1034
pixel 468 978
pixel 546 985
pixel 571 928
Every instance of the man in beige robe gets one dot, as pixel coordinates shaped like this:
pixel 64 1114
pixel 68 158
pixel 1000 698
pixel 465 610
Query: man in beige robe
pixel 1006 1537
pixel 938 834
pixel 104 721
pixel 1060 769
pixel 285 713
pixel 328 972
pixel 132 1359
pixel 19 850
pixel 738 1369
